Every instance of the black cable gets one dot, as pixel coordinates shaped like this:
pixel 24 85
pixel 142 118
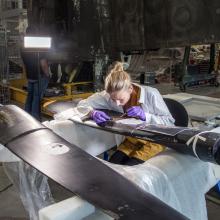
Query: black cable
pixel 7 187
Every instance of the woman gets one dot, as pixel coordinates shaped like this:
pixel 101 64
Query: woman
pixel 142 102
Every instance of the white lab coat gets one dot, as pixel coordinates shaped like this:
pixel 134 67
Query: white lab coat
pixel 150 99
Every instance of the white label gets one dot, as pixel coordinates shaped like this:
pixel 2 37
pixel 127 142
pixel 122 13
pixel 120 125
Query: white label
pixel 56 149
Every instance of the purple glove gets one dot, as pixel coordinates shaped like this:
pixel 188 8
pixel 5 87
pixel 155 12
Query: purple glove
pixel 136 112
pixel 99 117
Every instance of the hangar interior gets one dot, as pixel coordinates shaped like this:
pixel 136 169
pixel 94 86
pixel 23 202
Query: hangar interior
pixel 168 45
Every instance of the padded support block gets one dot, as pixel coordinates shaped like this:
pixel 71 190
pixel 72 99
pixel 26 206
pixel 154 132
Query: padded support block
pixel 69 209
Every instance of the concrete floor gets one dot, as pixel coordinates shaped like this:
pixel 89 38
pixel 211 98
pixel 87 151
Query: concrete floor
pixel 11 207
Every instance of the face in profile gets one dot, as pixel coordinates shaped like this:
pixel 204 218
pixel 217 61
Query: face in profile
pixel 121 97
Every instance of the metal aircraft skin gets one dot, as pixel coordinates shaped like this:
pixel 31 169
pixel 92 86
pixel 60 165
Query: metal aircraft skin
pixel 84 29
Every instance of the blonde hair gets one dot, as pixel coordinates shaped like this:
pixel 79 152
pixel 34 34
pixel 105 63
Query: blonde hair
pixel 117 79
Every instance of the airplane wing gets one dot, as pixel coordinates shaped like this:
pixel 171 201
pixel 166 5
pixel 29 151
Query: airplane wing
pixel 76 170
pixel 204 145
pixel 201 144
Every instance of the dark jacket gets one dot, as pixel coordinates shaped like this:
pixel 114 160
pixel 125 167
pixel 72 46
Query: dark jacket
pixel 31 63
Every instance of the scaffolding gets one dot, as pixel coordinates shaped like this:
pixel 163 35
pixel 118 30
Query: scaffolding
pixel 15 70
pixel 13 17
pixel 4 83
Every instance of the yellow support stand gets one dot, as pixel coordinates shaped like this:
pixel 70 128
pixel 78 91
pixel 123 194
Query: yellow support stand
pixel 18 94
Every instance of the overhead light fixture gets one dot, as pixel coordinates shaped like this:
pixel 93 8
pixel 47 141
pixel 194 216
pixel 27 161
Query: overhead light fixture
pixel 37 42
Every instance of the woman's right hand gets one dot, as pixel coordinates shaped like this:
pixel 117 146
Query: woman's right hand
pixel 99 117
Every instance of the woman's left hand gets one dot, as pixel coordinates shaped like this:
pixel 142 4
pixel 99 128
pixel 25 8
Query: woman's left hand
pixel 136 112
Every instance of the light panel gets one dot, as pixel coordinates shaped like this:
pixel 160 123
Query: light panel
pixel 37 42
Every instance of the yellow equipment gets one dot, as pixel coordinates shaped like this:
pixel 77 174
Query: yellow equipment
pixel 18 94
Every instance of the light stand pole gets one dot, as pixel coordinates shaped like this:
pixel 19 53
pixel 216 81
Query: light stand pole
pixel 37 45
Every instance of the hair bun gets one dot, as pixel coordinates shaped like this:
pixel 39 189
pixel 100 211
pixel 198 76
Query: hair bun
pixel 116 67
pixel 117 79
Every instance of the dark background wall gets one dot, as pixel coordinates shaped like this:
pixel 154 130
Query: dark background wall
pixel 83 28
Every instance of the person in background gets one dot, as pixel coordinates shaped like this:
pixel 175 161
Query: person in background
pixel 37 80
pixel 142 102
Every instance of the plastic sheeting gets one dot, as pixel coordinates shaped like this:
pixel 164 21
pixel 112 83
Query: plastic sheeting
pixel 6 155
pixel 32 186
pixel 78 112
pixel 180 181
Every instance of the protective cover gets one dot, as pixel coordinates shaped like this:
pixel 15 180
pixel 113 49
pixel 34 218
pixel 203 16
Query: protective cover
pixel 56 107
pixel 32 186
pixel 181 181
